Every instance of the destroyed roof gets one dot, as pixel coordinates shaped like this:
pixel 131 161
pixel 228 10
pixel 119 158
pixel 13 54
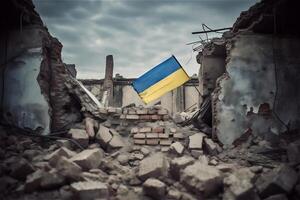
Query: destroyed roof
pixel 262 17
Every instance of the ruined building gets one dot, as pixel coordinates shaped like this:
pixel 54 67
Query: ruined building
pixel 252 73
pixel 65 139
pixel 34 92
pixel 122 93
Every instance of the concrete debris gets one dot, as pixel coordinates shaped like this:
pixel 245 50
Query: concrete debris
pixel 174 194
pixel 178 164
pixel 53 157
pixel 202 179
pixel 80 136
pixel 196 141
pixel 33 181
pixel 154 188
pixel 52 180
pixel 116 142
pixel 177 148
pixel 21 169
pixel 88 159
pixel 89 126
pixel 69 169
pixel 211 147
pixel 240 185
pixel 152 166
pixel 123 159
pixel 90 190
pixel 103 136
pixel 280 180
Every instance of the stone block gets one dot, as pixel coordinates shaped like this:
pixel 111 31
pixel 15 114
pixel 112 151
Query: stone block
pixel 103 136
pixel 133 117
pixel 211 147
pixel 52 180
pixel 240 186
pixel 153 166
pixel 178 164
pixel 54 156
pixel 89 126
pixel 68 169
pixel 151 135
pixel 80 136
pixel 154 188
pixel 20 169
pixel 115 143
pixel 90 190
pixel 33 181
pixel 203 180
pixel 196 141
pixel 280 180
pixel 88 159
pixel 177 148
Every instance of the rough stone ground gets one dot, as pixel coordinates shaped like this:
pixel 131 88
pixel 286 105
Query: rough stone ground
pixel 111 167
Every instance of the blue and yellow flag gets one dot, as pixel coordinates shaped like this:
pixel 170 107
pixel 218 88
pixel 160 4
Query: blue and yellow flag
pixel 161 79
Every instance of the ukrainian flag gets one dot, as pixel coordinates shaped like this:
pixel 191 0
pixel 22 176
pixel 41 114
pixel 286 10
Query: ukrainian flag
pixel 161 79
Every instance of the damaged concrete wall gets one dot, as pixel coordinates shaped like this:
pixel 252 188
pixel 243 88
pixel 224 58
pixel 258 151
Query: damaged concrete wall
pixel 246 94
pixel 23 104
pixel 212 61
pixel 34 94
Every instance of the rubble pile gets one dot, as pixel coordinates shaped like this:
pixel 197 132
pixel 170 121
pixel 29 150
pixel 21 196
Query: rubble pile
pixel 109 165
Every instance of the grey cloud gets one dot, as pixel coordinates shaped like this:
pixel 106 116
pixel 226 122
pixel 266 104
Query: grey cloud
pixel 139 33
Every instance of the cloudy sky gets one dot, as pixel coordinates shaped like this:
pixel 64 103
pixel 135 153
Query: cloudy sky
pixel 138 33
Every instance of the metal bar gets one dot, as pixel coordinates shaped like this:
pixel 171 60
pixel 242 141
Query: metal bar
pixel 213 30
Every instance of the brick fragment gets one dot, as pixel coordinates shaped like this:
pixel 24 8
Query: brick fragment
pixel 139 141
pixel 152 141
pixel 163 135
pixel 139 136
pixel 151 135
pixel 132 117
pixel 158 129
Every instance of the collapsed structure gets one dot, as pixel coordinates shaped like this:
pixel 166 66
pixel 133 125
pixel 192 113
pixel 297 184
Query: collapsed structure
pixel 34 80
pixel 252 73
pixel 81 144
